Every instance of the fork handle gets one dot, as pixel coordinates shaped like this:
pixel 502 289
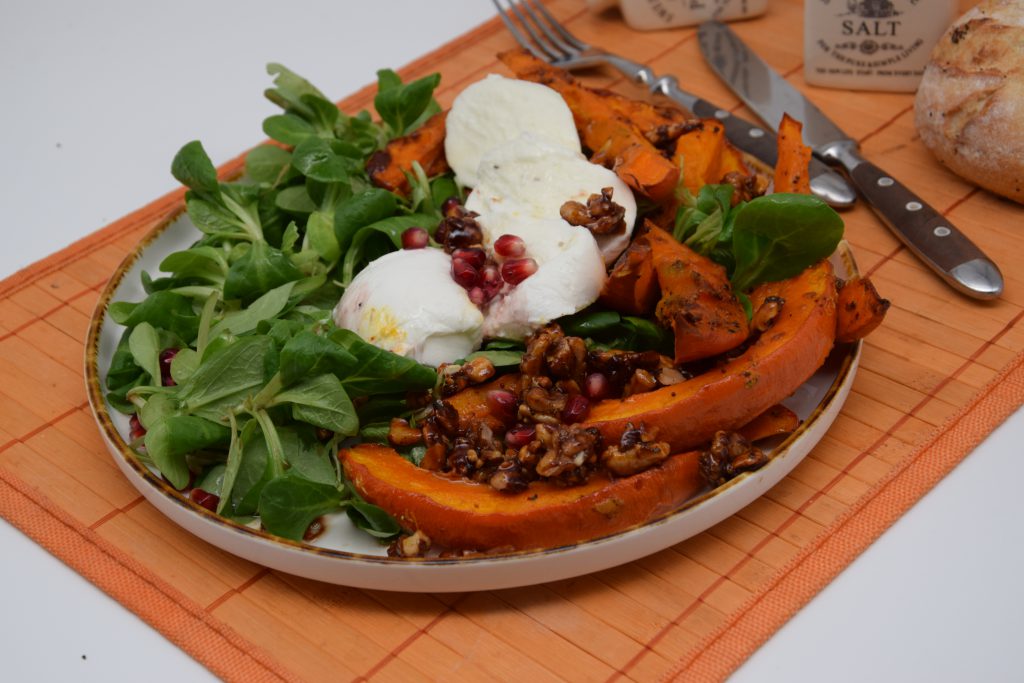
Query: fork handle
pixel 752 139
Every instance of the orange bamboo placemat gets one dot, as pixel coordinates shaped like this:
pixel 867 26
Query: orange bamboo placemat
pixel 939 375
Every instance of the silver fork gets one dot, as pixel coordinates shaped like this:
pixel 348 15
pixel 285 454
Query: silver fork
pixel 548 40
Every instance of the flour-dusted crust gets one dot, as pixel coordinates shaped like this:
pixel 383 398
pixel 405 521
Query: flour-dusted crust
pixel 970 104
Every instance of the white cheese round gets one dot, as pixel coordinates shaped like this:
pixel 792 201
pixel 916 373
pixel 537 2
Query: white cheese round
pixel 498 109
pixel 406 302
pixel 530 177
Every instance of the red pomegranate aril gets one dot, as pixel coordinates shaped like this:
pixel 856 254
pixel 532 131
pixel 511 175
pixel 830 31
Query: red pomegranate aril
pixel 205 499
pixel 519 436
pixel 415 238
pixel 509 246
pixel 135 428
pixel 515 270
pixel 451 207
pixel 502 404
pixel 597 386
pixel 464 273
pixel 490 276
pixel 576 408
pixel 474 256
pixel 478 296
pixel 166 356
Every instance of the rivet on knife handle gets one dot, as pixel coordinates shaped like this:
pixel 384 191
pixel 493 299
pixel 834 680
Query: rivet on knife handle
pixel 754 140
pixel 929 234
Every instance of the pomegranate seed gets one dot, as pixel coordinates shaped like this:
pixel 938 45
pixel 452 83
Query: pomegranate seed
pixel 519 436
pixel 509 246
pixel 597 386
pixel 576 408
pixel 478 296
pixel 415 238
pixel 205 499
pixel 135 428
pixel 474 256
pixel 464 273
pixel 451 207
pixel 490 276
pixel 166 356
pixel 515 270
pixel 502 404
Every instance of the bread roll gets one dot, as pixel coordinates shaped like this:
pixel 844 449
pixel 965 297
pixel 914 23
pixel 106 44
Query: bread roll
pixel 970 104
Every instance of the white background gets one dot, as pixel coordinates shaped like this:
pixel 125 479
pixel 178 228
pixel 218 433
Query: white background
pixel 97 97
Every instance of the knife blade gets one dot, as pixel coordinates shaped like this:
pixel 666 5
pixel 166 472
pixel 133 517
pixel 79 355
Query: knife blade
pixel 925 231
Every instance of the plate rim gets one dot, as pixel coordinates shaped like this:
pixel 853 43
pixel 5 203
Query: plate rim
pixel 117 444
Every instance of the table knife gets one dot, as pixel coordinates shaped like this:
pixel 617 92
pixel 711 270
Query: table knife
pixel 925 231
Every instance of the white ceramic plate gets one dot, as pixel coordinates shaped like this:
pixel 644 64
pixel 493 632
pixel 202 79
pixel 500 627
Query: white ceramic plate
pixel 344 555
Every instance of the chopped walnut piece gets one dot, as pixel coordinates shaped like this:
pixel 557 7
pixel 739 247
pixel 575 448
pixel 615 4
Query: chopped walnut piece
pixel 641 382
pixel 669 376
pixel 766 313
pixel 411 545
pixel 458 229
pixel 479 370
pixel 455 378
pixel 401 434
pixel 509 477
pixel 729 456
pixel 567 453
pixel 664 135
pixel 636 451
pixel 600 215
pixel 746 187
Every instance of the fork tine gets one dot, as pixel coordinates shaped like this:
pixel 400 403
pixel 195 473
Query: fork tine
pixel 567 50
pixel 575 42
pixel 520 38
pixel 552 51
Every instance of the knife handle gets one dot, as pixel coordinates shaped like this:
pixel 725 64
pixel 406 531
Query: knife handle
pixel 754 140
pixel 925 231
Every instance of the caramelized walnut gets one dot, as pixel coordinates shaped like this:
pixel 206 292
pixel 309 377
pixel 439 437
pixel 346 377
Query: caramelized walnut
pixel 411 545
pixel 746 187
pixel 565 453
pixel 729 455
pixel 455 378
pixel 458 229
pixel 636 451
pixel 401 434
pixel 600 215
pixel 765 315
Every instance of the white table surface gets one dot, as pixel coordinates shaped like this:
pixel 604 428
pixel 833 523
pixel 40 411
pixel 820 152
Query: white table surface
pixel 97 97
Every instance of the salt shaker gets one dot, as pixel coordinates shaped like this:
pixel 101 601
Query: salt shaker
pixel 872 44
pixel 647 15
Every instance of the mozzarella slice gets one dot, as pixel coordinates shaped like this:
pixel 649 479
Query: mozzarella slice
pixel 569 278
pixel 496 110
pixel 530 177
pixel 406 302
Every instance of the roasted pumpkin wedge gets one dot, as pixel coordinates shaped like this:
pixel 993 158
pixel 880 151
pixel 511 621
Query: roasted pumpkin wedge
pixel 699 153
pixel 425 145
pixel 791 170
pixel 688 414
pixel 697 301
pixel 460 514
pixel 612 138
pixel 861 310
pixel 775 421
pixel 632 284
